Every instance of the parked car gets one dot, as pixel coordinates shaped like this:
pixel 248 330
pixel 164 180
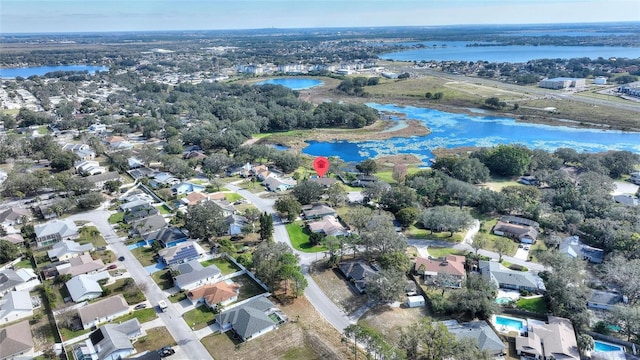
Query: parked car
pixel 166 351
pixel 526 248
pixel 112 266
pixel 140 306
pixel 121 258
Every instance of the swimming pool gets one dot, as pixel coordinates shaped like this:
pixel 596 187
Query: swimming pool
pixel 507 322
pixel 601 346
pixel 503 300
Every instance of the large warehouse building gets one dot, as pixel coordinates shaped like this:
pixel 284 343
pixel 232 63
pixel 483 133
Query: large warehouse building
pixel 562 83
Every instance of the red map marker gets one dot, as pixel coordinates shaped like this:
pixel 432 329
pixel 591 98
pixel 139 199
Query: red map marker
pixel 321 164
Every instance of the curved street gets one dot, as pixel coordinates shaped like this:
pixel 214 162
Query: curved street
pixel 179 329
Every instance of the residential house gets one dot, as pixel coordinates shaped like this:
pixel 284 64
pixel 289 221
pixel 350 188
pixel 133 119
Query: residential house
pixel 14 216
pixel 183 252
pixel 480 332
pixel 15 306
pixel 83 264
pixel 85 287
pixel 357 273
pixel 317 211
pixel 82 151
pixel 186 188
pixel 329 226
pixel 192 274
pixel 625 199
pixel 89 167
pixel 244 170
pixel 17 280
pixel 196 197
pixel 148 225
pixel 226 207
pixel 15 239
pixel 134 163
pixel 604 300
pixel 139 212
pixel 110 342
pixel 16 342
pixel 555 339
pixel 118 143
pixel 54 231
pixel 523 233
pixel 222 293
pixel 167 237
pixel 278 184
pixel 194 154
pixel 529 180
pixel 235 224
pixel 102 311
pixel 430 268
pixel 163 179
pixel 573 247
pixel 135 204
pixel 136 195
pixel 248 320
pixel 326 182
pixel 635 177
pixel 506 278
pixel 100 180
pixel 97 128
pixel 364 181
pixel 67 249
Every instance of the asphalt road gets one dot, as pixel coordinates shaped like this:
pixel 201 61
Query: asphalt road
pixel 176 325
pixel 316 296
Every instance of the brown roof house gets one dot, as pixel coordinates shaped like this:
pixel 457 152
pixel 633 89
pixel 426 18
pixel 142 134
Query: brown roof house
pixel 430 268
pixel 523 233
pixel 555 339
pixel 329 226
pixel 102 311
pixel 213 294
pixel 16 342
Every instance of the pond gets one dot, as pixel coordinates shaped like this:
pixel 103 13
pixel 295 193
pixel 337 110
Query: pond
pixel 293 83
pixel 25 72
pixel 449 130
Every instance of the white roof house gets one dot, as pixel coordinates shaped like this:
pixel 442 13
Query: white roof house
pixel 85 287
pixel 21 279
pixel 14 306
pixel 54 231
pixel 192 274
pixel 67 249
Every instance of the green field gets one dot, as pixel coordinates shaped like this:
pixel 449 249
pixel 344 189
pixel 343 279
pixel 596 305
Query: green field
pixel 536 305
pixel 416 233
pixel 116 218
pixel 143 316
pixel 299 236
pixel 232 197
pixel 226 267
pixel 199 317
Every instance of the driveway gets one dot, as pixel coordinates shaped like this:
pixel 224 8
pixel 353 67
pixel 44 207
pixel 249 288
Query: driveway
pixel 176 325
pixel 623 187
pixel 316 296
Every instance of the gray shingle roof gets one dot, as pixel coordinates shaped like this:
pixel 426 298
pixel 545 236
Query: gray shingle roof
pixel 480 331
pixel 15 339
pixel 248 318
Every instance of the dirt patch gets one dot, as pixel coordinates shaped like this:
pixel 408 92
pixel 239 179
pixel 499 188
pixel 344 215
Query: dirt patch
pixel 337 288
pixel 389 320
pixel 306 336
pixel 391 160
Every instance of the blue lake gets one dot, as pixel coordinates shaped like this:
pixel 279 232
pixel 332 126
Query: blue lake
pixel 450 130
pixel 25 72
pixel 457 51
pixel 293 83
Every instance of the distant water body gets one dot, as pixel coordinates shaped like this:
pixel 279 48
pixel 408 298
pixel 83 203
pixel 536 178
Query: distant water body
pixel 25 72
pixel 458 51
pixel 450 130
pixel 293 83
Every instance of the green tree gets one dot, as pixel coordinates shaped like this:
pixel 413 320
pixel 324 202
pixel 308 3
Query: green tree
pixel 407 216
pixel 367 167
pixel 398 198
pixel 90 200
pixel 205 221
pixel 503 246
pixel 288 206
pixel 337 195
pixel 477 298
pixel 386 286
pixel 8 251
pixel 307 192
pixel 506 160
pixel 266 226
pixel 63 160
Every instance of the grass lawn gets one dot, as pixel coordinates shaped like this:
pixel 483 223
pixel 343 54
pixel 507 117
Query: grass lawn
pixel 440 252
pixel 68 334
pixel 199 317
pixel 300 238
pixel 177 297
pixel 116 218
pixel 536 305
pixel 163 210
pixel 132 294
pixel 145 255
pixel 387 176
pixel 248 287
pixel 107 256
pixel 23 264
pixel 157 337
pixel 232 197
pixel 163 279
pixel 42 130
pixel 226 267
pixel 143 316
pixel 92 235
pixel 417 233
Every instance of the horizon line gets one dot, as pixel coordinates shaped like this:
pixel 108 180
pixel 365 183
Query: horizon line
pixel 5 34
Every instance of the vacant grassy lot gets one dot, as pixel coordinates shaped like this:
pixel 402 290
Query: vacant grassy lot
pixel 248 287
pixel 226 267
pixel 116 218
pixel 537 305
pixel 337 288
pixel 163 279
pixel 389 320
pixel 91 234
pixel 440 252
pixel 417 233
pixel 145 255
pixel 156 338
pixel 128 288
pixel 307 336
pixel 177 297
pixel 199 317
pixel 299 235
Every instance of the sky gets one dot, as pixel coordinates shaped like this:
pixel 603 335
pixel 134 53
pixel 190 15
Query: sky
pixel 38 16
